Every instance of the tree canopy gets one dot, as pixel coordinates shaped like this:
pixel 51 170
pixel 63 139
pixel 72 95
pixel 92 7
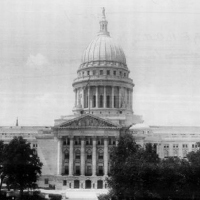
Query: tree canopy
pixel 138 173
pixel 21 164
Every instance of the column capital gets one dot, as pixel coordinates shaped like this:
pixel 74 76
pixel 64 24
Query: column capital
pixel 82 137
pixel 94 137
pixel 71 137
pixel 105 137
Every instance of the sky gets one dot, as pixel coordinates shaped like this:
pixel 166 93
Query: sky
pixel 42 42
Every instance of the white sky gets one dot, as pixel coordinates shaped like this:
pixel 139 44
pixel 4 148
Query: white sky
pixel 42 41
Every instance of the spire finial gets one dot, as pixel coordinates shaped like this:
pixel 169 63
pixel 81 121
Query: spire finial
pixel 103 12
pixel 17 121
pixel 103 24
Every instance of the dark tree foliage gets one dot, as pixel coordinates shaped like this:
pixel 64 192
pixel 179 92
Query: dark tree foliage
pixel 138 173
pixel 22 164
pixel 2 158
pixel 133 170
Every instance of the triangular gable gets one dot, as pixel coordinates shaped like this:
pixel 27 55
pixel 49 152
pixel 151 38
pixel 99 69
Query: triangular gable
pixel 87 121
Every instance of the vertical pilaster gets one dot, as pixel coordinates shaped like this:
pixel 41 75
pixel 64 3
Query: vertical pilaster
pixel 59 156
pixel 71 156
pixel 112 97
pixel 104 97
pixel 94 155
pixel 97 97
pixel 82 156
pixel 105 156
pixel 180 147
pixel 170 150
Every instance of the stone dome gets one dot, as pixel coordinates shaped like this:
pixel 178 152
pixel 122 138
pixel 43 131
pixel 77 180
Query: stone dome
pixel 103 48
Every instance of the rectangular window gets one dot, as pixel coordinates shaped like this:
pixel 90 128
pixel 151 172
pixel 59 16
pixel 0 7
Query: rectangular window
pixel 120 73
pixel 124 74
pixel 77 156
pixel 89 156
pixel 100 170
pixel 101 72
pixel 108 72
pixel 77 170
pixel 46 181
pixel 66 170
pixel 89 170
pixel 114 73
pixel 88 73
pixel 64 182
pixel 108 101
pixel 94 72
pixel 101 156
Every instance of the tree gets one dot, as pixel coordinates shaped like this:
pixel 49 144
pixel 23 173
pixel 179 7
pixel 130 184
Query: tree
pixel 133 170
pixel 2 157
pixel 22 164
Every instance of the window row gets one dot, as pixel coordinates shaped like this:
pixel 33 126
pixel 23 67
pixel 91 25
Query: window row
pixel 88 170
pixel 103 72
pixel 100 155
pixel 88 141
pixel 166 146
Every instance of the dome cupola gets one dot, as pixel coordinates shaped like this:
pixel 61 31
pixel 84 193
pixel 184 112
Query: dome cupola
pixel 103 86
pixel 103 48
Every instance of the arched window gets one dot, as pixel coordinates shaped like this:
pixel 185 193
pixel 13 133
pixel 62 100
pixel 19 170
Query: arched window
pixel 94 101
pixel 101 101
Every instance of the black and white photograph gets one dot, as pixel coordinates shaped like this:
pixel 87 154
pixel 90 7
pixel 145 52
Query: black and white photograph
pixel 99 100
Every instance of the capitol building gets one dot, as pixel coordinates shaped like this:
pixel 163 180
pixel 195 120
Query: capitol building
pixel 76 151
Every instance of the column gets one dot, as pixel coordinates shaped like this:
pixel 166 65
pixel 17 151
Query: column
pixel 71 156
pixel 105 156
pixel 75 97
pixel 82 156
pixel 131 93
pixel 117 141
pixel 94 155
pixel 113 96
pixel 83 102
pixel 59 157
pixel 89 97
pixel 97 97
pixel 104 97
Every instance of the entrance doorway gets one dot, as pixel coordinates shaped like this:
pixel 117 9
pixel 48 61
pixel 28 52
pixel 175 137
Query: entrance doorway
pixel 76 183
pixel 88 184
pixel 99 184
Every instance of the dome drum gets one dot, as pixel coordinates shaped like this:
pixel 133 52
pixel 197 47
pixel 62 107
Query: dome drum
pixel 103 86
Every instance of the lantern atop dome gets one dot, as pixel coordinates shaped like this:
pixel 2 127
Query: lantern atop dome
pixel 103 24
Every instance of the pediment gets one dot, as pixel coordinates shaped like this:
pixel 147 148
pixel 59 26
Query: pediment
pixel 87 121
